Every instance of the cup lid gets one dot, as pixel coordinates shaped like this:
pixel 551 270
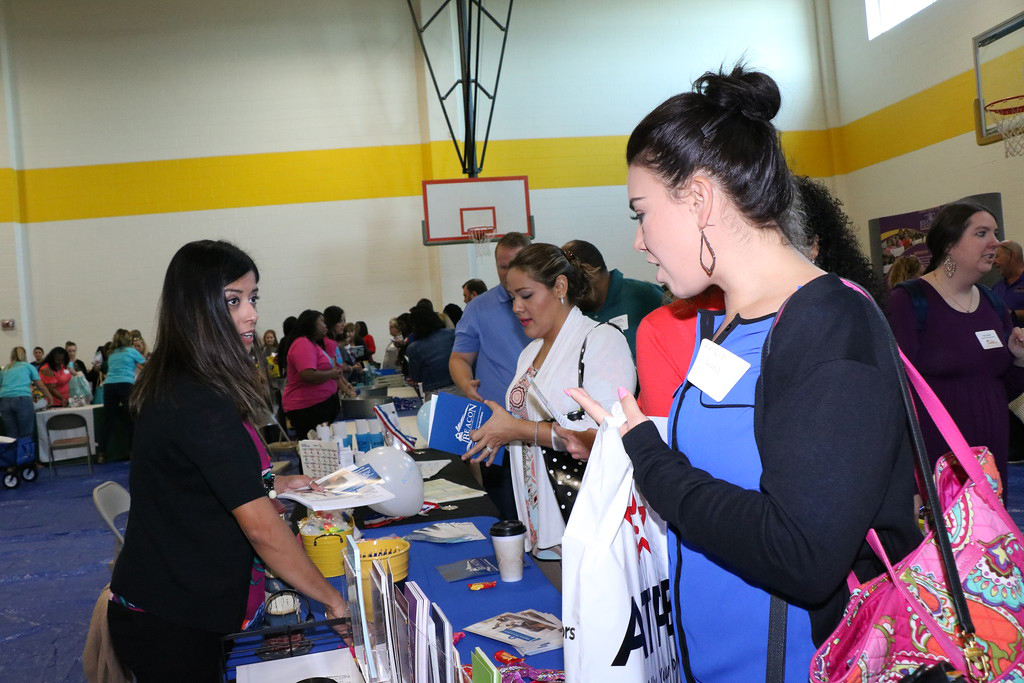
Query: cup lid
pixel 508 527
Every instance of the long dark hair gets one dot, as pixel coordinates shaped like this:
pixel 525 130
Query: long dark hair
pixel 333 316
pixel 723 127
pixel 195 335
pixel 838 249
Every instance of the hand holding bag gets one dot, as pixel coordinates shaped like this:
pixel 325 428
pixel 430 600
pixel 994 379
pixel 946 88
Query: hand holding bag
pixel 958 597
pixel 616 605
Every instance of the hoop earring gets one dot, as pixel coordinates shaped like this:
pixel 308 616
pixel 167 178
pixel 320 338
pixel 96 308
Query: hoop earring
pixel 714 259
pixel 949 266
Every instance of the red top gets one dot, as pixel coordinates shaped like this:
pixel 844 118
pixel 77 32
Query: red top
pixel 664 347
pixel 371 346
pixel 57 382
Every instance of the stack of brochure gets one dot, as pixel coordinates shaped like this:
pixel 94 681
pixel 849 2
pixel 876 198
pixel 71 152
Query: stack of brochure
pixel 399 636
pixel 348 487
pixel 529 631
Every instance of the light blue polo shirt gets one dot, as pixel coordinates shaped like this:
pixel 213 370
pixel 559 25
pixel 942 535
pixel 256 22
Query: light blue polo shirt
pixel 121 365
pixel 16 381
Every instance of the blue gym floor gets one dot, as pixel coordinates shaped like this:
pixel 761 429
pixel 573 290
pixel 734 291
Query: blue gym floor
pixel 54 562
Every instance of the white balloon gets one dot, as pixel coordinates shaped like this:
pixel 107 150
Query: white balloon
pixel 401 477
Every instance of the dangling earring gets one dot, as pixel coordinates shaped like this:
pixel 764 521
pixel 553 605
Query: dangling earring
pixel 561 300
pixel 714 259
pixel 949 265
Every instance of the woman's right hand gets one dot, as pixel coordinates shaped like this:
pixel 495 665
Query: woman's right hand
pixel 339 610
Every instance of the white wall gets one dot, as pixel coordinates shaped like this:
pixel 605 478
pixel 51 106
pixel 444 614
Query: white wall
pixel 123 81
pixel 923 51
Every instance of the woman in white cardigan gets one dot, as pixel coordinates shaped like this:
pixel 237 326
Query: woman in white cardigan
pixel 545 283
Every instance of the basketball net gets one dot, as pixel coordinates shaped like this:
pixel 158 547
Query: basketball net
pixel 481 237
pixel 1008 114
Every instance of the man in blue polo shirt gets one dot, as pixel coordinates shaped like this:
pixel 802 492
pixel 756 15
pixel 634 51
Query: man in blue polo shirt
pixel 1010 288
pixel 488 340
pixel 619 300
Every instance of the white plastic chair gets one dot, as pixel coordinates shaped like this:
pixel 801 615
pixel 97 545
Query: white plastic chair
pixel 111 499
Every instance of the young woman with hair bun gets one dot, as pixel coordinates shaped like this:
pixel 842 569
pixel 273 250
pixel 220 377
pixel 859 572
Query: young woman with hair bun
pixel 545 283
pixel 772 480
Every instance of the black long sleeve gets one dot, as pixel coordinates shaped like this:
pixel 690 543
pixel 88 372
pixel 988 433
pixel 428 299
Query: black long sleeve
pixel 836 461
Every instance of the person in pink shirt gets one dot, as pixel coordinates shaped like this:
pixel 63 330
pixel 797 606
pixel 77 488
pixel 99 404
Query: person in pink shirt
pixel 311 393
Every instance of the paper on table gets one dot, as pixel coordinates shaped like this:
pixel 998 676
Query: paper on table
pixel 338 665
pixel 444 491
pixel 429 468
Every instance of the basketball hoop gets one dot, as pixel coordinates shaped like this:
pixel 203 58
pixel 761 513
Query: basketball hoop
pixel 481 237
pixel 1008 114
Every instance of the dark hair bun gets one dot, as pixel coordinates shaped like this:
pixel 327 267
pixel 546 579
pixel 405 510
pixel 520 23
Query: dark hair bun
pixel 751 93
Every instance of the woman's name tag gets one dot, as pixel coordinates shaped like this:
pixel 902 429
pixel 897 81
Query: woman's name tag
pixel 716 370
pixel 989 339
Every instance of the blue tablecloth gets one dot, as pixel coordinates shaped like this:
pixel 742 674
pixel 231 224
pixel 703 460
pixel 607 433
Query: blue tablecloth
pixel 464 607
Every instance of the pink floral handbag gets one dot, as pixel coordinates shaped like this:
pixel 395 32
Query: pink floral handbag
pixel 911 616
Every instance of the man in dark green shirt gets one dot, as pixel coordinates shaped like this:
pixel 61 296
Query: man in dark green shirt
pixel 619 300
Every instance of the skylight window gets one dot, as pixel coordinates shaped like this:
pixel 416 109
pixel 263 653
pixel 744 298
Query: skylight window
pixel 884 14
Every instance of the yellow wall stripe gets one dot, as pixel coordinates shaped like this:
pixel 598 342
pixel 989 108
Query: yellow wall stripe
pixel 10 196
pixel 935 114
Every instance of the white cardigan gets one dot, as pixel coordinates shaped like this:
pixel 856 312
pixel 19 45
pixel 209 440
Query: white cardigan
pixel 608 365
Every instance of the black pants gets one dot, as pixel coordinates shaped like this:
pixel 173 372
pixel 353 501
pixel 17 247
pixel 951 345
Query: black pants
pixel 115 412
pixel 157 651
pixel 498 484
pixel 305 419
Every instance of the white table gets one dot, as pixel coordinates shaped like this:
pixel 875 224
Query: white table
pixel 68 453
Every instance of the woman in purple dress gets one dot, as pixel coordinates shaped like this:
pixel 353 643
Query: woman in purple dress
pixel 959 336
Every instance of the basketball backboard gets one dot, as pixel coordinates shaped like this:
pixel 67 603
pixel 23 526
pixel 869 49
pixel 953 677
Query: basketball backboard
pixel 452 209
pixel 998 71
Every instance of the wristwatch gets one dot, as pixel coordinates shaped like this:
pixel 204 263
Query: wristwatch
pixel 268 484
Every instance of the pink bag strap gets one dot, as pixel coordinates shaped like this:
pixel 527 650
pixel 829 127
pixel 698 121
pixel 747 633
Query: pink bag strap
pixel 950 432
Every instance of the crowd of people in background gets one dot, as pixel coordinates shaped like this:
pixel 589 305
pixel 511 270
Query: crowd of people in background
pixel 745 252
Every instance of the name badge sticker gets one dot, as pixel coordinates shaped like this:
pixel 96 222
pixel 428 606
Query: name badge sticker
pixel 621 321
pixel 716 370
pixel 989 339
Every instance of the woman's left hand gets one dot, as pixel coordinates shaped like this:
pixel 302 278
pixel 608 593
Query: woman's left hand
pixel 577 444
pixel 492 435
pixel 1016 344
pixel 293 482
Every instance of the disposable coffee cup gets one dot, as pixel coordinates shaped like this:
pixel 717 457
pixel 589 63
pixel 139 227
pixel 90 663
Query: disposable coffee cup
pixel 509 538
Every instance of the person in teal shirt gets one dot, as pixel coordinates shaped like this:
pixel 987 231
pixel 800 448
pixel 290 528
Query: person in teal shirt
pixel 16 380
pixel 122 362
pixel 616 299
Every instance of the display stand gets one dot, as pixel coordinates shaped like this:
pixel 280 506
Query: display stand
pixel 250 648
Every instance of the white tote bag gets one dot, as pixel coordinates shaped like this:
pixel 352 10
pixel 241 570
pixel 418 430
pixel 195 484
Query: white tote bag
pixel 616 603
